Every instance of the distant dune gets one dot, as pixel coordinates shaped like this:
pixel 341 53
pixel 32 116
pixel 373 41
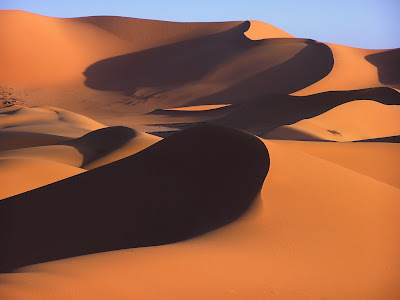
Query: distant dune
pixel 144 159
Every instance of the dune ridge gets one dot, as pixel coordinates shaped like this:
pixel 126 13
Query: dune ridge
pixel 263 114
pixel 339 123
pixel 179 219
pixel 368 246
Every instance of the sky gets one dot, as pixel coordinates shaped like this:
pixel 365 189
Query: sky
pixel 372 24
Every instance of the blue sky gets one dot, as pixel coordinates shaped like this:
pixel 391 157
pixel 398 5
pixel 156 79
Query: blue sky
pixel 373 24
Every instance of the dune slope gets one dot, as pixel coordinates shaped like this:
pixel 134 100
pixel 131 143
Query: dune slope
pixel 352 121
pixel 97 210
pixel 298 240
pixel 263 114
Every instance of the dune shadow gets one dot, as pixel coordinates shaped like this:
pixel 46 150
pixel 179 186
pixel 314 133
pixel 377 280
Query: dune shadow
pixel 10 112
pixel 169 65
pixel 173 65
pixel 100 142
pixel 309 65
pixel 388 65
pixel 268 112
pixel 262 114
pixel 386 139
pixel 183 186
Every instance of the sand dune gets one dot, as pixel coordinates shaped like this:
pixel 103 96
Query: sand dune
pixel 107 145
pixel 58 153
pixel 388 72
pixel 199 107
pixel 188 115
pixel 72 44
pixel 354 68
pixel 262 115
pixel 19 175
pixel 282 248
pixel 222 55
pixel 182 167
pixel 133 65
pixel 42 137
pixel 248 195
pixel 15 140
pixel 52 47
pixel 261 30
pixel 48 120
pixel 381 157
pixel 355 120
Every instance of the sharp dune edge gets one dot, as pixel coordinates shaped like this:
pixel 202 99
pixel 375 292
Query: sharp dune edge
pixel 160 160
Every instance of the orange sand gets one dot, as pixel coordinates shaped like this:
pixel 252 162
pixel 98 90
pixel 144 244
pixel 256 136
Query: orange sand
pixel 113 187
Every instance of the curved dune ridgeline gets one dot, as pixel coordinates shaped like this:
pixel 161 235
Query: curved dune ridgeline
pixel 280 65
pixel 271 111
pixel 98 143
pixel 262 114
pixel 310 64
pixel 190 59
pixel 130 204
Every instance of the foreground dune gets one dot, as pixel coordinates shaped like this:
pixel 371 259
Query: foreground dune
pixel 282 248
pixel 182 166
pixel 145 159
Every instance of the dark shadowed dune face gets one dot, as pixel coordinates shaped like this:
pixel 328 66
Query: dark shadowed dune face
pixel 189 60
pixel 101 141
pixel 388 64
pixel 192 182
pixel 388 139
pixel 265 113
pixel 312 63
pixel 174 65
pixel 269 111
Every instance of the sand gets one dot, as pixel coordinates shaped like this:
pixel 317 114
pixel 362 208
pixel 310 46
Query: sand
pixel 352 121
pixel 144 159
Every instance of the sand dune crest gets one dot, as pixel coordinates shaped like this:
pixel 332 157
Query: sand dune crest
pixel 97 211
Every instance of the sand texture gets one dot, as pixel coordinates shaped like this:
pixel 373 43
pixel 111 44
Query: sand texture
pixel 144 159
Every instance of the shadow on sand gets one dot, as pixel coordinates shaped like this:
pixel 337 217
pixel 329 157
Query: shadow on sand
pixel 183 186
pixel 388 70
pixel 176 64
pixel 265 113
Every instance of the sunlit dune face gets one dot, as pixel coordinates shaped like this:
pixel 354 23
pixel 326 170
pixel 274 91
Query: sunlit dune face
pixel 355 120
pixel 354 69
pixel 260 30
pixel 199 107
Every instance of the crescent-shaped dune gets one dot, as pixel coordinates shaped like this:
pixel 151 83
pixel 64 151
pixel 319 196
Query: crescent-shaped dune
pixel 162 209
pixel 280 242
pixel 103 146
pixel 144 159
